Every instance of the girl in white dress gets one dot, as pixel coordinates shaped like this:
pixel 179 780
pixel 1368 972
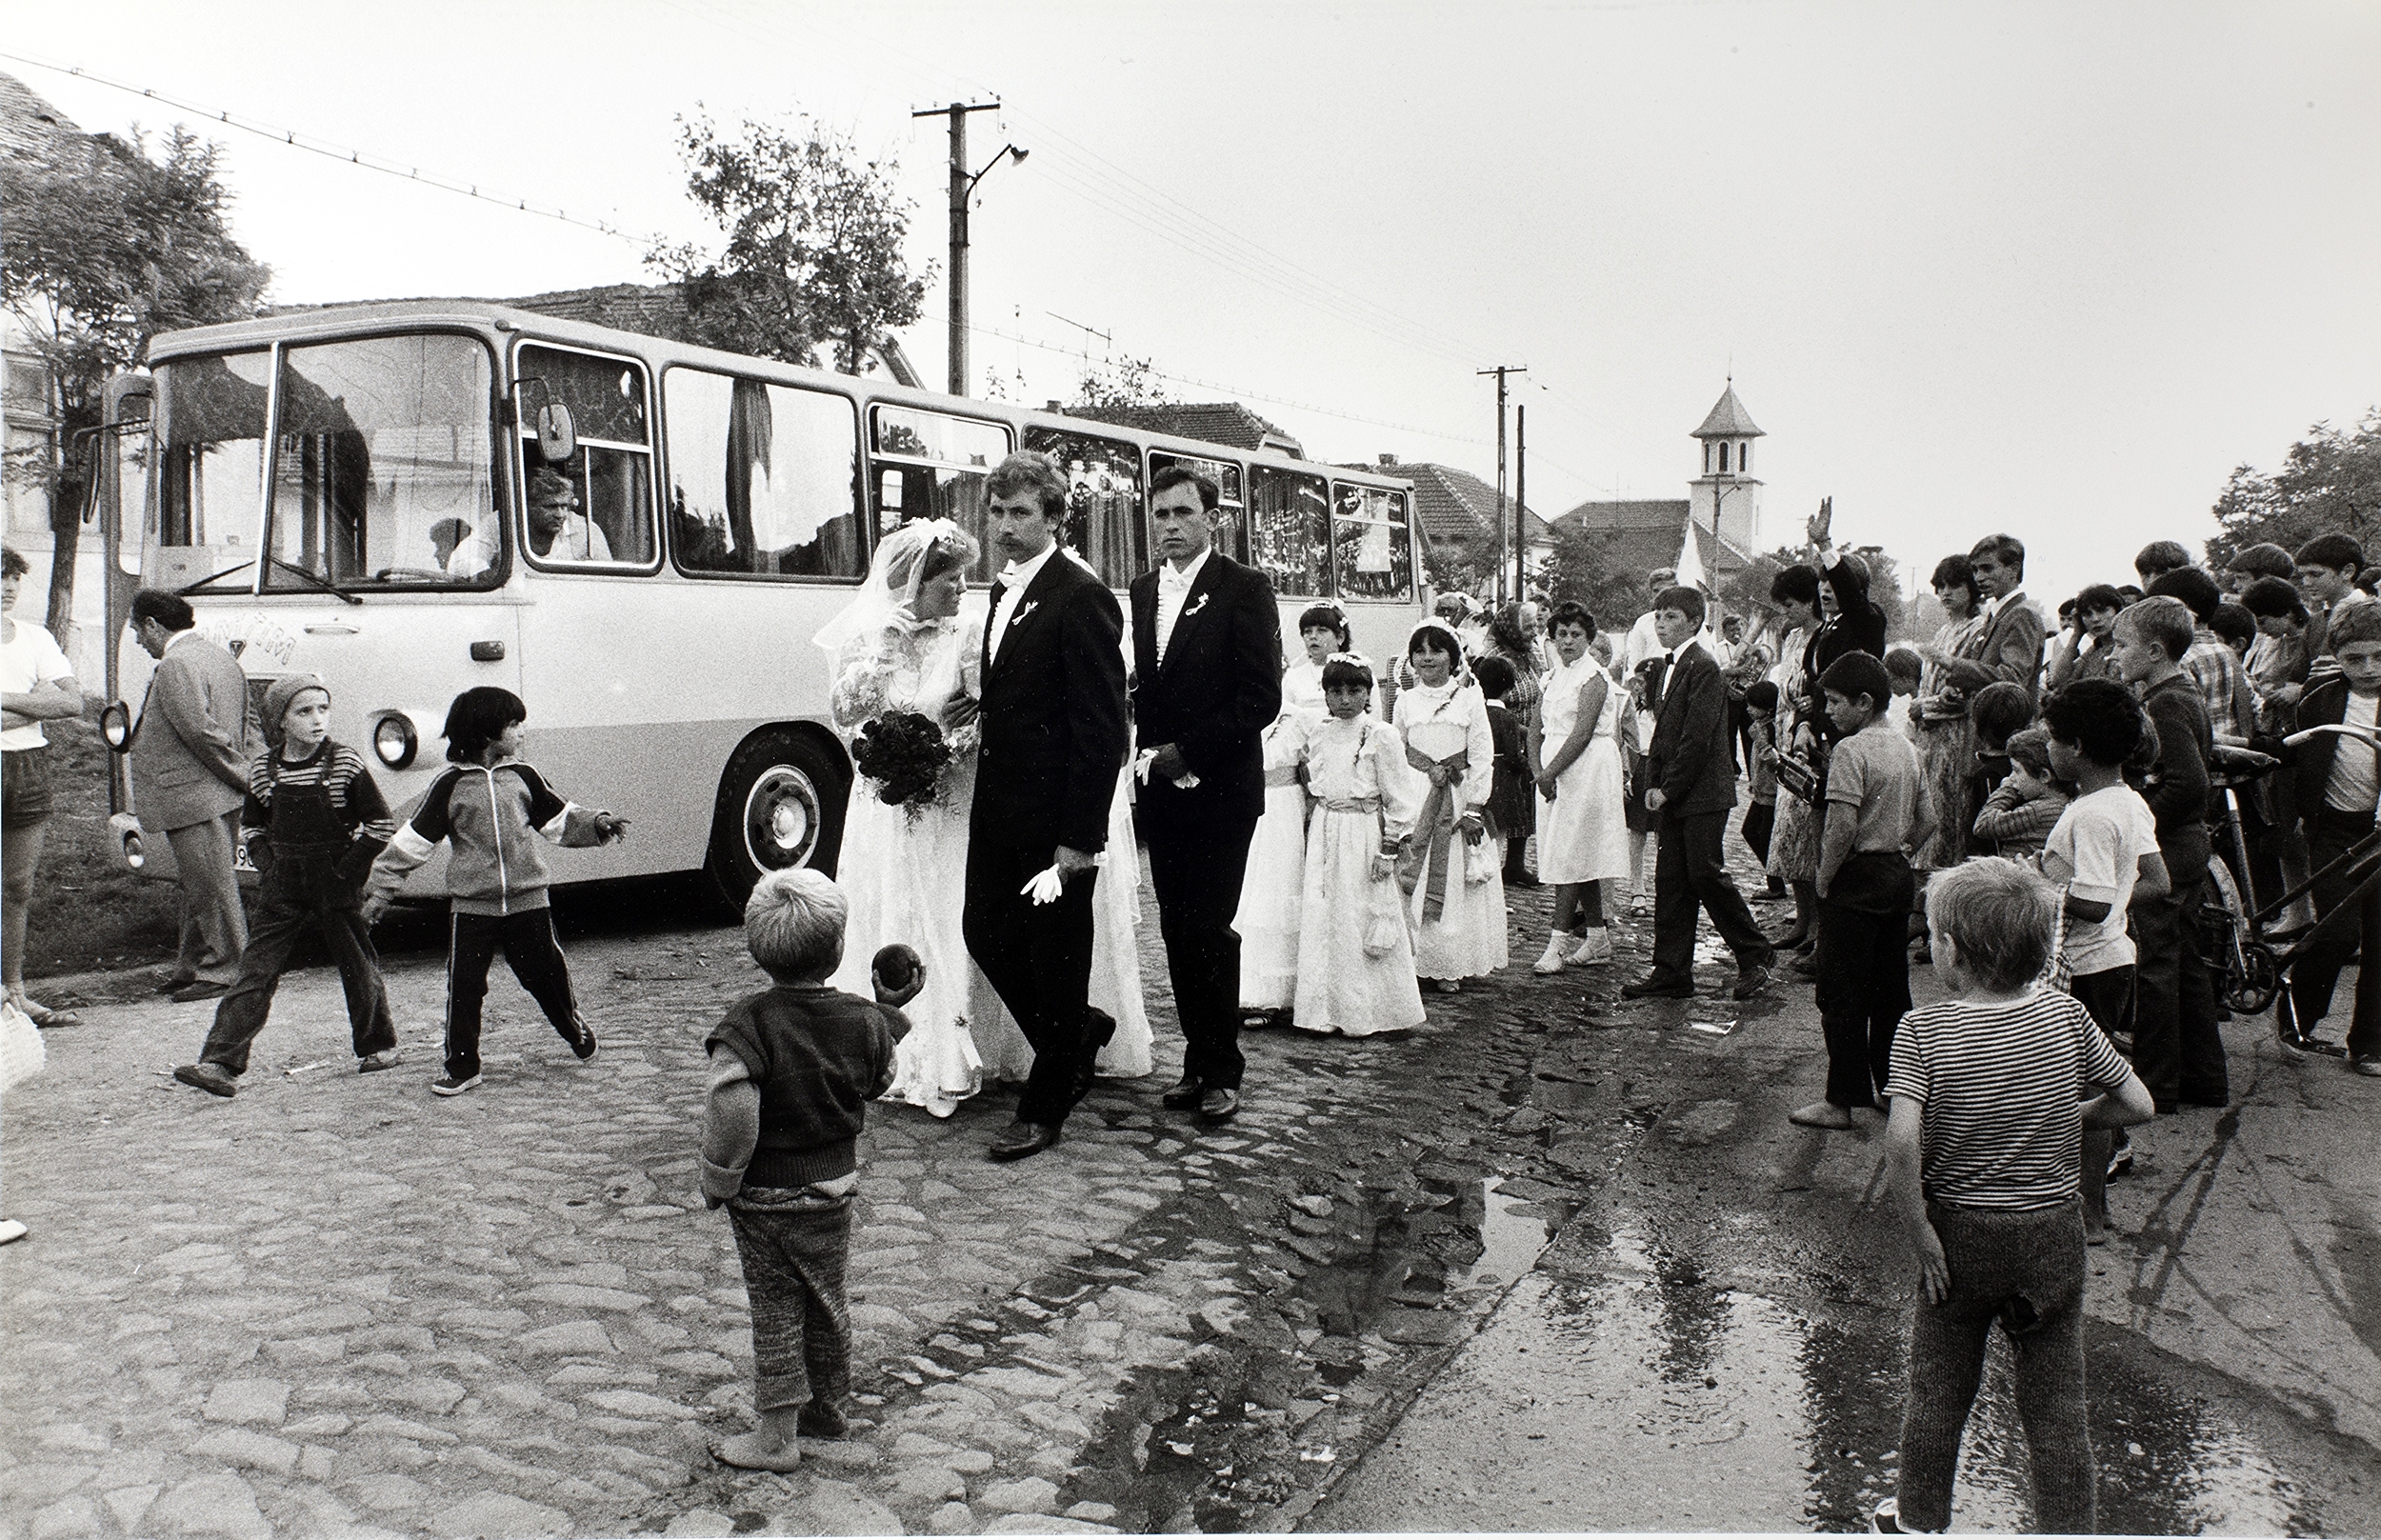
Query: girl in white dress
pixel 1355 951
pixel 1583 830
pixel 1450 865
pixel 913 641
pixel 1268 917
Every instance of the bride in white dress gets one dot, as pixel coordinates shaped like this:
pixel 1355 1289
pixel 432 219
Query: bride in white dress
pixel 912 642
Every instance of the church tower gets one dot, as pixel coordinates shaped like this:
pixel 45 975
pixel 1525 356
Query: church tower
pixel 1726 498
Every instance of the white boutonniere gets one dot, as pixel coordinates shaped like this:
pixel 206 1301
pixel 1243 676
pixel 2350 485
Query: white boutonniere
pixel 1023 609
pixel 1193 607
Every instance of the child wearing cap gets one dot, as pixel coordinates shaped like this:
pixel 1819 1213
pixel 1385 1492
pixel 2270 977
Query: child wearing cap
pixel 313 820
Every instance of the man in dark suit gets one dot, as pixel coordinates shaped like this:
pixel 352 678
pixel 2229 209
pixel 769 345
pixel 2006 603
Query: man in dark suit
pixel 1053 739
pixel 2011 649
pixel 191 753
pixel 1207 649
pixel 1693 785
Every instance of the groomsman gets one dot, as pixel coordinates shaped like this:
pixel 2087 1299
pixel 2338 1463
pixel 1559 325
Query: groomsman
pixel 1207 651
pixel 1053 739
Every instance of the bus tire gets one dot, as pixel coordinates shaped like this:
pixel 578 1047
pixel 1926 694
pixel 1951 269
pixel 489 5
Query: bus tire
pixel 781 804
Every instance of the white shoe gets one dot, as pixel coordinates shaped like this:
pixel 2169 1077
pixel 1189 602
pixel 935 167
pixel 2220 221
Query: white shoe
pixel 1551 960
pixel 1596 949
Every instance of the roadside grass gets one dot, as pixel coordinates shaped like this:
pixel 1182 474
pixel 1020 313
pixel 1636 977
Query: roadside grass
pixel 88 912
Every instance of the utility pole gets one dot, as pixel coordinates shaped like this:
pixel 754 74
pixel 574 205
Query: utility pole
pixel 1521 501
pixel 1500 372
pixel 961 185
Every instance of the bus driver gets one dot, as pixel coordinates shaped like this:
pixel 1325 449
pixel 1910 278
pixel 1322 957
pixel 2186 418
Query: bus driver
pixel 552 501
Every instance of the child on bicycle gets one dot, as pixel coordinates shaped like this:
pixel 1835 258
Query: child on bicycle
pixel 2337 780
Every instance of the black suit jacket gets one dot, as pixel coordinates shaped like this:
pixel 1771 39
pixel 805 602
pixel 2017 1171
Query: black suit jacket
pixel 1692 763
pixel 1053 718
pixel 1217 688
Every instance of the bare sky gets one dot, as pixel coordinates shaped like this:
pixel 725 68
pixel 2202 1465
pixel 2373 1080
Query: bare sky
pixel 2047 268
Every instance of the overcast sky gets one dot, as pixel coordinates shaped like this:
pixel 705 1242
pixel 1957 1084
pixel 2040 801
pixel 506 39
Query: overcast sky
pixel 2053 269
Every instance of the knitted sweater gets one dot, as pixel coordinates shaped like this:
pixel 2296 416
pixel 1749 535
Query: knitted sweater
pixel 817 1057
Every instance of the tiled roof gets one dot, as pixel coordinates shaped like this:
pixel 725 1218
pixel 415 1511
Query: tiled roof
pixel 652 309
pixel 1640 513
pixel 28 124
pixel 1209 422
pixel 1729 419
pixel 1647 533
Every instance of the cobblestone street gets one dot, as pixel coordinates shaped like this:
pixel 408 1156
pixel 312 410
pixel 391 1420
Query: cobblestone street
pixel 337 1304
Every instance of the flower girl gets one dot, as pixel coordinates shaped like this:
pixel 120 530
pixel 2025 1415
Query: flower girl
pixel 1355 957
pixel 1268 918
pixel 1583 832
pixel 1450 867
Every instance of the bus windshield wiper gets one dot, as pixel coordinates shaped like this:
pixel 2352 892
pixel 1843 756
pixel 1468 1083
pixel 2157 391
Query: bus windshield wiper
pixel 200 587
pixel 323 583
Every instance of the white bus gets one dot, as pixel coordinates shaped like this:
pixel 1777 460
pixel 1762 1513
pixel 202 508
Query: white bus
pixel 340 491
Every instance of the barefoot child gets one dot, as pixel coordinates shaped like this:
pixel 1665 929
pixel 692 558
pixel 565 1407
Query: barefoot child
pixel 1991 1091
pixel 792 1069
pixel 314 819
pixel 1450 869
pixel 1355 954
pixel 488 806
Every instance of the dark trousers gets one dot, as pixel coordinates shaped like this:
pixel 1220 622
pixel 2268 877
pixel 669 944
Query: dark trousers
pixel 2328 836
pixel 302 897
pixel 2023 1268
pixel 1760 823
pixel 532 950
pixel 2109 996
pixel 794 1247
pixel 1864 971
pixel 1037 957
pixel 1196 866
pixel 1689 872
pixel 2177 1051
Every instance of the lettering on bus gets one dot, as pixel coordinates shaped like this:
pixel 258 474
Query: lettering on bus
pixel 763 478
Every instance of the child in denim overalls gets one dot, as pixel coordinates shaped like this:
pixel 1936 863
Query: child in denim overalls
pixel 314 819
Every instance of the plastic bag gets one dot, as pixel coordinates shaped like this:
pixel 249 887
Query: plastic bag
pixel 22 1053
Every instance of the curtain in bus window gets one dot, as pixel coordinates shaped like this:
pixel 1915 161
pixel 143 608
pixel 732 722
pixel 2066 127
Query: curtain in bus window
pixel 931 466
pixel 1103 523
pixel 1370 551
pixel 1289 530
pixel 761 478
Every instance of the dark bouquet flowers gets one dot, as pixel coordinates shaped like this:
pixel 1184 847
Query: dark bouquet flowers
pixel 904 753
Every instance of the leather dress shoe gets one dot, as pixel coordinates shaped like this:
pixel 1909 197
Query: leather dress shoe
pixel 1655 987
pixel 1021 1139
pixel 204 989
pixel 1183 1094
pixel 1098 1027
pixel 1750 982
pixel 1220 1105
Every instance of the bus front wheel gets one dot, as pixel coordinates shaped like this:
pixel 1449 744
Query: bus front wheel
pixel 781 803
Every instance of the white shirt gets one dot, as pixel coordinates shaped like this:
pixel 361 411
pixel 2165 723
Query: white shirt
pixel 2096 850
pixel 1014 580
pixel 2355 786
pixel 29 659
pixel 1173 590
pixel 1642 644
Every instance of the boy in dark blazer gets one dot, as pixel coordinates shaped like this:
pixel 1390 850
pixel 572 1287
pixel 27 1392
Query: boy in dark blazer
pixel 1207 651
pixel 1053 739
pixel 1692 779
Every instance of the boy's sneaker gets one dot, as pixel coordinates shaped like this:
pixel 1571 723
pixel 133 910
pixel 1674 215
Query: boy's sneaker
pixel 386 1058
pixel 2367 1064
pixel 1887 1517
pixel 450 1085
pixel 583 1043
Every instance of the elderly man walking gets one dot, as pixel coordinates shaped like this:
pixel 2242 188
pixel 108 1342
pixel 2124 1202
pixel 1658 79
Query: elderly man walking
pixel 191 753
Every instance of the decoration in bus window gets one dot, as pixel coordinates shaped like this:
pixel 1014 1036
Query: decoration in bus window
pixel 214 468
pixel 1231 527
pixel 384 473
pixel 1370 555
pixel 1103 524
pixel 761 478
pixel 1289 531
pixel 933 467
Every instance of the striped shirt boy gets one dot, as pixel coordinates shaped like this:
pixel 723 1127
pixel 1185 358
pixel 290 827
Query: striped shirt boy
pixel 342 774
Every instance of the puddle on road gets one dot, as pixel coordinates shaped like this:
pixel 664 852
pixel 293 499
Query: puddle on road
pixel 1645 1396
pixel 1513 1233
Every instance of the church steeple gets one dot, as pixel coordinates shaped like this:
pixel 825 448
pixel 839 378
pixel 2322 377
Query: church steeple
pixel 1725 498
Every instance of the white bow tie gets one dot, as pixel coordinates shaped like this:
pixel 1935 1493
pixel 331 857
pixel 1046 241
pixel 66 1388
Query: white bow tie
pixel 1009 573
pixel 1172 581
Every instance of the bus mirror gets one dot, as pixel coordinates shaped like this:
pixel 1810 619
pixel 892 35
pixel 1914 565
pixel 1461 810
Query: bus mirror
pixel 115 726
pixel 556 437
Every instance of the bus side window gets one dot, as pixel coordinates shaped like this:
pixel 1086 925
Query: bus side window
pixel 1371 557
pixel 1232 528
pixel 761 478
pixel 611 471
pixel 927 465
pixel 1104 523
pixel 1289 531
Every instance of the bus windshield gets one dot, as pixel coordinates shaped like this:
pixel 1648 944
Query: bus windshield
pixel 383 474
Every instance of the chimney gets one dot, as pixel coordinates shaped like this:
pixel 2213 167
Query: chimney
pixel 1052 407
pixel 1388 459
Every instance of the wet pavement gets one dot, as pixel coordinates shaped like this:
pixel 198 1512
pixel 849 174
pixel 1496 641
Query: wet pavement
pixel 1553 1263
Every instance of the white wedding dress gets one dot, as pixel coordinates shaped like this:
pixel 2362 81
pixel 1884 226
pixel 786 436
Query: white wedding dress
pixel 902 869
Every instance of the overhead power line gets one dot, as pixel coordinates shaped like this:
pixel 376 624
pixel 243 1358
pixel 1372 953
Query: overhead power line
pixel 313 145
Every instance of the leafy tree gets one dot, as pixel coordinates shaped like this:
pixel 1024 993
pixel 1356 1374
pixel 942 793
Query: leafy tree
pixel 2330 484
pixel 1120 382
pixel 814 248
pixel 1583 567
pixel 103 246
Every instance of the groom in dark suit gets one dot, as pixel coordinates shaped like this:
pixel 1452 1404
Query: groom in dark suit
pixel 1207 658
pixel 1692 784
pixel 1053 740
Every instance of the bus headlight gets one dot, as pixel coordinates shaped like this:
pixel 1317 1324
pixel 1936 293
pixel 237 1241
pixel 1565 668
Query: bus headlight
pixel 115 726
pixel 394 742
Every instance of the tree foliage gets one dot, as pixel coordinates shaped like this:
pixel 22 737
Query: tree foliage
pixel 1583 567
pixel 2330 484
pixel 103 246
pixel 812 257
pixel 1120 382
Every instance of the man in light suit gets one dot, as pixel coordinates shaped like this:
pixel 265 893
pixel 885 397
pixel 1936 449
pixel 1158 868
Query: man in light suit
pixel 1053 740
pixel 1692 784
pixel 1206 649
pixel 190 754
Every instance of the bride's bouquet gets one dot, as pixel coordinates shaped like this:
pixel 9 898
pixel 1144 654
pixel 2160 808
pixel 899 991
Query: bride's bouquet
pixel 904 753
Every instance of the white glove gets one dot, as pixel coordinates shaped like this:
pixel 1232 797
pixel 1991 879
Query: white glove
pixel 1045 887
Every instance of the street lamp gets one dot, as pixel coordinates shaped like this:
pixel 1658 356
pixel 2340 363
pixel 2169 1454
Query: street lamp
pixel 962 189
